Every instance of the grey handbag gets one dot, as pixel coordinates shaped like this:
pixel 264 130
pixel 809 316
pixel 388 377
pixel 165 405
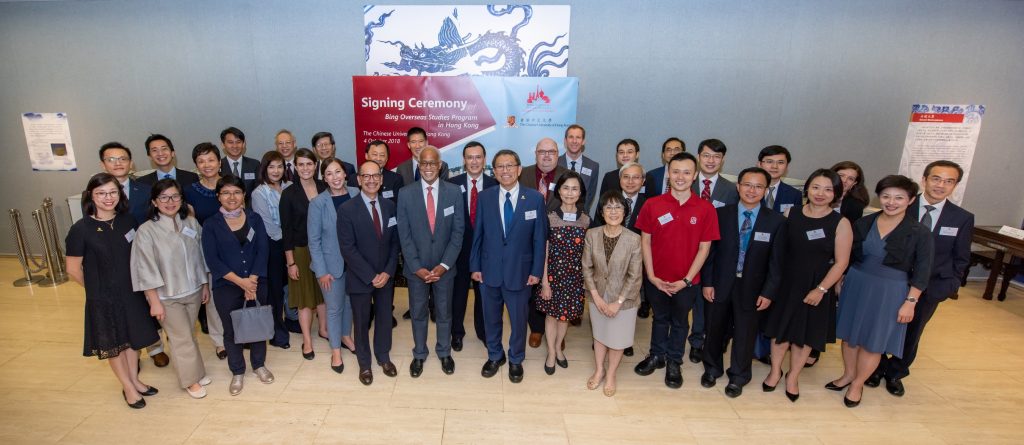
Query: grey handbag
pixel 253 324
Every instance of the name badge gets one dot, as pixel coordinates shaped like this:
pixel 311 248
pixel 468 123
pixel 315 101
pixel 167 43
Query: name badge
pixel 530 214
pixel 717 203
pixel 130 236
pixel 586 171
pixel 643 189
pixel 463 188
pixel 949 231
pixel 762 236
pixel 388 194
pixel 449 210
pixel 665 219
pixel 248 176
pixel 783 208
pixel 569 217
pixel 551 186
pixel 189 232
pixel 251 235
pixel 815 234
pixel 392 221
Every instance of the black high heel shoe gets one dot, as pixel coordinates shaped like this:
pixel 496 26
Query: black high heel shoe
pixel 766 388
pixel 150 391
pixel 792 397
pixel 307 355
pixel 139 404
pixel 831 386
pixel 850 403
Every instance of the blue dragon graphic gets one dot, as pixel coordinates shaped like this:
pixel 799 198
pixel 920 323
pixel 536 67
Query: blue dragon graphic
pixel 453 47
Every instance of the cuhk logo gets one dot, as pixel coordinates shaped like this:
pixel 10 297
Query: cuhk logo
pixel 693 220
pixel 538 95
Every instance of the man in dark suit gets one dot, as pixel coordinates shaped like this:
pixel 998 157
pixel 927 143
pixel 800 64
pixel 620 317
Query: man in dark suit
pixel 284 143
pixel 740 278
pixel 508 259
pixel 391 182
pixel 471 183
pixel 368 239
pixel 416 140
pixel 657 181
pixel 430 226
pixel 631 183
pixel 161 151
pixel 323 146
pixel 573 159
pixel 542 177
pixel 234 163
pixel 952 227
pixel 626 152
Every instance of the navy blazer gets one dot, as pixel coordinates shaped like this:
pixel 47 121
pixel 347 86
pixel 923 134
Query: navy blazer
pixel 952 252
pixel 422 249
pixel 364 254
pixel 138 200
pixel 762 265
pixel 654 181
pixel 508 261
pixel 224 254
pixel 467 235
pixel 787 195
pixel 322 232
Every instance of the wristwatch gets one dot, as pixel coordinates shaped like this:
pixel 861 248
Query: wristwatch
pixel 687 281
pixel 621 301
pixel 912 299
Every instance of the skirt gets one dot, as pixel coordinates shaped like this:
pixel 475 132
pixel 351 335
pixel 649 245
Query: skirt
pixel 868 309
pixel 304 293
pixel 617 332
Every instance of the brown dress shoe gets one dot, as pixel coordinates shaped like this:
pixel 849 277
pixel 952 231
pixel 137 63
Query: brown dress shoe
pixel 535 340
pixel 366 376
pixel 161 360
pixel 389 369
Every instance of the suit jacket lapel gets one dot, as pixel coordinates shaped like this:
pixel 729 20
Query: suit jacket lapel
pixel 520 210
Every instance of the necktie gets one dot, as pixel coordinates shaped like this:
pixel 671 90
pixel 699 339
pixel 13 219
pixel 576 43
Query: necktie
pixel 666 189
pixel 770 197
pixel 745 230
pixel 124 189
pixel 431 217
pixel 288 171
pixel 927 218
pixel 573 167
pixel 706 193
pixel 234 169
pixel 542 186
pixel 508 211
pixel 376 220
pixel 167 176
pixel 416 174
pixel 472 204
pixel 629 211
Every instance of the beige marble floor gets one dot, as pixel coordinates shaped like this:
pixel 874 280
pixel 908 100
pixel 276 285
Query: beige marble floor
pixel 967 387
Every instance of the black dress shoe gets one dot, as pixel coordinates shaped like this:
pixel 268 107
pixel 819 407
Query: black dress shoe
pixel 733 390
pixel 339 368
pixel 515 372
pixel 563 363
pixel 696 354
pixel 448 365
pixel 138 404
pixel 628 352
pixel 457 344
pixel 673 375
pixel 792 397
pixel 895 387
pixel 644 311
pixel 873 381
pixel 491 367
pixel 222 354
pixel 850 403
pixel 389 369
pixel 279 345
pixel 764 384
pixel 549 370
pixel 307 355
pixel 707 380
pixel 366 376
pixel 650 364
pixel 416 367
pixel 150 391
pixel 831 386
pixel 292 326
pixel 407 315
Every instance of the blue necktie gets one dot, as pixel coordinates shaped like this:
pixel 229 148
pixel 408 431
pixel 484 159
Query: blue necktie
pixel 508 211
pixel 167 176
pixel 745 230
pixel 416 175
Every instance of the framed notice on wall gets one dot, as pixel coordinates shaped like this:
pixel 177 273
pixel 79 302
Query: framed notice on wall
pixel 48 137
pixel 942 131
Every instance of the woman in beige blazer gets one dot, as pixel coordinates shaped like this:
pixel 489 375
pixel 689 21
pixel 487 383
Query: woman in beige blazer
pixel 612 270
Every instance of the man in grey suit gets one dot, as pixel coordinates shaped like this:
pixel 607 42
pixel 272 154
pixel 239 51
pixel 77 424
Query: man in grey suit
pixel 430 228
pixel 416 140
pixel 573 159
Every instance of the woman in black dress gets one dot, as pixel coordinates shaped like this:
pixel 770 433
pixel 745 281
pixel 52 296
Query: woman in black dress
pixel 818 244
pixel 117 321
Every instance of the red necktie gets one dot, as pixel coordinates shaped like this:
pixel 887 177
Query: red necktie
pixel 376 220
pixel 472 205
pixel 706 193
pixel 431 217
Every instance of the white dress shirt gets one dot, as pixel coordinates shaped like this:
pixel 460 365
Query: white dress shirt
pixel 501 201
pixel 935 213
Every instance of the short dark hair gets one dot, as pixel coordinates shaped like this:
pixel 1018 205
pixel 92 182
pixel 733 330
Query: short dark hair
pixel 671 139
pixel 320 135
pixel 158 137
pixel 837 184
pixel 268 157
pixel 377 142
pixel 773 150
pixel 331 160
pixel 628 141
pixel 233 131
pixel 575 127
pixel 203 148
pixel 99 180
pixel 756 171
pixel 556 199
pixel 714 145
pixel 472 144
pixel 506 152
pixel 159 187
pixel 415 130
pixel 897 181
pixel 112 145
pixel 229 181
pixel 859 191
pixel 684 156
pixel 306 153
pixel 613 196
pixel 945 163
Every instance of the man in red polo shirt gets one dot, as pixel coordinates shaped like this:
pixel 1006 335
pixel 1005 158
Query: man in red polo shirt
pixel 677 231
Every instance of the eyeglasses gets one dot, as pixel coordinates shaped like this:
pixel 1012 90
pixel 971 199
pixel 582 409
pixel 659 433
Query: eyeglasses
pixel 168 198
pixel 228 193
pixel 113 194
pixel 547 152
pixel 748 185
pixel 324 145
pixel 116 159
pixel 431 164
pixel 369 177
pixel 505 167
pixel 709 156
pixel 940 180
pixel 614 208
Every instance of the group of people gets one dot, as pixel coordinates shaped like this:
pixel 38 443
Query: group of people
pixel 757 263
